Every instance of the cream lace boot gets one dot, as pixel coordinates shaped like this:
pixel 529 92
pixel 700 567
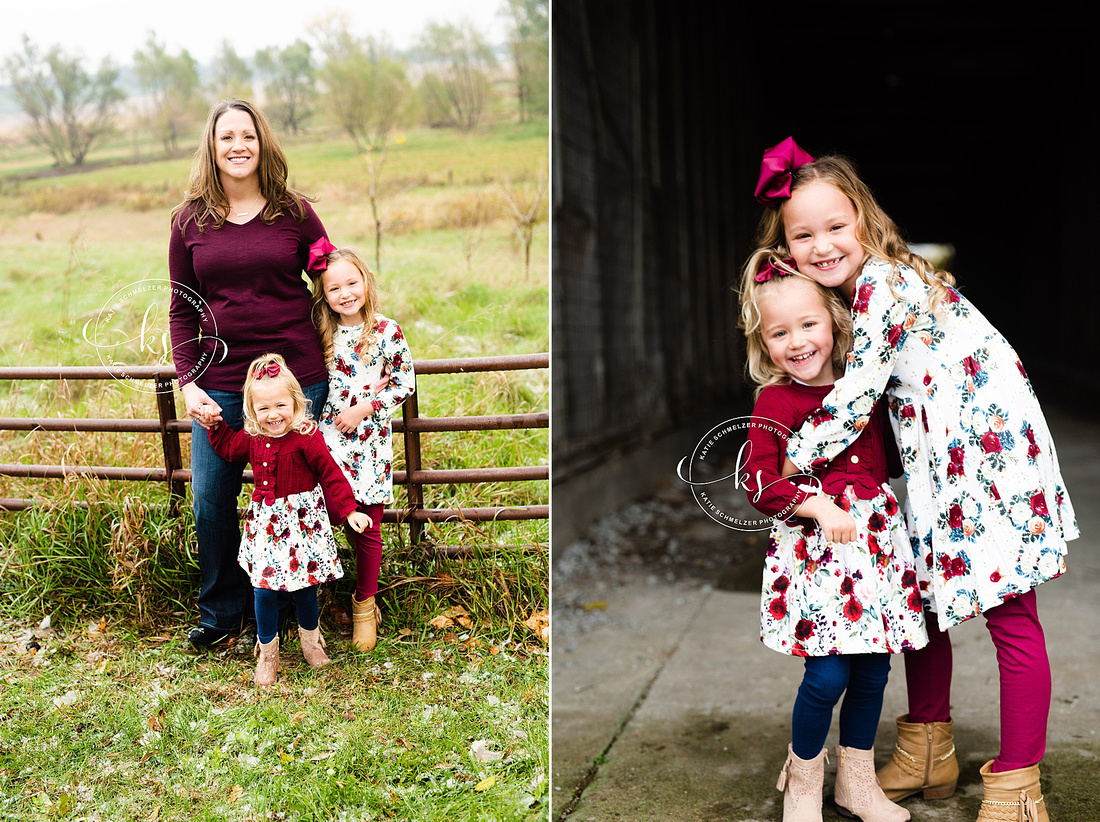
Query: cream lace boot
pixel 268 662
pixel 924 760
pixel 365 619
pixel 1012 796
pixel 857 791
pixel 801 780
pixel 313 647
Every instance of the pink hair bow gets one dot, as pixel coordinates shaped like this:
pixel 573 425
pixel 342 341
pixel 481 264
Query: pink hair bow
pixel 270 370
pixel 770 269
pixel 779 161
pixel 318 255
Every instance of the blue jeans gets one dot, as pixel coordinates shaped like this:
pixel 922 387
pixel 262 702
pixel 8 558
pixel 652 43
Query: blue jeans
pixel 861 679
pixel 225 592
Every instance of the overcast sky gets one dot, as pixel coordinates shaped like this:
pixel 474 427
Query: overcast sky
pixel 118 28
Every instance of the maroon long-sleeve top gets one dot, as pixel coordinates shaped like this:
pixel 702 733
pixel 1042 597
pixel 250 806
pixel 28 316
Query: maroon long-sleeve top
pixel 866 464
pixel 287 465
pixel 242 285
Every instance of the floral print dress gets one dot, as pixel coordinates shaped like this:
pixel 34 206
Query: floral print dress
pixel 986 509
pixel 366 454
pixel 819 597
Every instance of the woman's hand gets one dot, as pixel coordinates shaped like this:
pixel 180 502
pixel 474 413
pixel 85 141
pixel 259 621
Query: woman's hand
pixel 200 407
pixel 360 522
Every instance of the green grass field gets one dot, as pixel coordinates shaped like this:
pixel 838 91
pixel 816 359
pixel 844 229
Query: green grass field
pixel 122 721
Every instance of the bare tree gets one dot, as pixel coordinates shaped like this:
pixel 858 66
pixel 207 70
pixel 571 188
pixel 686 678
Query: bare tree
pixel 368 90
pixel 527 209
pixel 70 110
pixel 230 75
pixel 456 88
pixel 366 87
pixel 290 83
pixel 529 44
pixel 171 84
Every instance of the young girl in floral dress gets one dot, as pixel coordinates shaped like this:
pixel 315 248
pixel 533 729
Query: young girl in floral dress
pixel 287 543
pixel 840 589
pixel 370 375
pixel 986 508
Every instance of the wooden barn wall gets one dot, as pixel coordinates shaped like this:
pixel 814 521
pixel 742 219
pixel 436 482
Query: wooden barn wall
pixel 646 237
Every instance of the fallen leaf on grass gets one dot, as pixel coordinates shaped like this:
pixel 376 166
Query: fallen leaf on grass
pixel 156 721
pixel 481 753
pixel 67 699
pixel 321 757
pixel 235 793
pixel 452 616
pixel 486 783
pixel 539 622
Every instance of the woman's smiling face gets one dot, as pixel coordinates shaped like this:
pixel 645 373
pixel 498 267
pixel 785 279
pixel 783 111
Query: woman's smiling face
pixel 236 145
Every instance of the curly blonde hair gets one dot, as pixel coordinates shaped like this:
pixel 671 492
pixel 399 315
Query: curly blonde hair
pixel 326 320
pixel 258 370
pixel 877 233
pixel 761 369
pixel 204 189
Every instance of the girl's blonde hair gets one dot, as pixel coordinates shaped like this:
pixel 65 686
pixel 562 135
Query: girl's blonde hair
pixel 326 320
pixel 877 233
pixel 274 367
pixel 761 368
pixel 204 189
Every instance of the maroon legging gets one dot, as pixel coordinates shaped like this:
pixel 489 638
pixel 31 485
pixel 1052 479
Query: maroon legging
pixel 1025 680
pixel 368 553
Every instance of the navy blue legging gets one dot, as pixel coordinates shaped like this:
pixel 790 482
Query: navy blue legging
pixel 860 679
pixel 267 611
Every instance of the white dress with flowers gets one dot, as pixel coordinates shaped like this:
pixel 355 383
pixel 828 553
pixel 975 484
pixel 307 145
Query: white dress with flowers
pixel 987 510
pixel 365 455
pixel 818 597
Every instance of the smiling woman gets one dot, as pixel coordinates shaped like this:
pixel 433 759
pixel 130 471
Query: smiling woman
pixel 240 240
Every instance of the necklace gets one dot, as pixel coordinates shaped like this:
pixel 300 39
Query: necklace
pixel 246 213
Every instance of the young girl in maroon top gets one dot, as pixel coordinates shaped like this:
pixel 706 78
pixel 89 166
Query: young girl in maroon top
pixel 288 543
pixel 839 585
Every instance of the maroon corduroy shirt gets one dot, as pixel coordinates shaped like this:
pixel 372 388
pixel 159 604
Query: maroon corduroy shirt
pixel 242 285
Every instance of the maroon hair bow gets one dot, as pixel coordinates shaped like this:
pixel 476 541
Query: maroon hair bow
pixel 318 255
pixel 270 370
pixel 770 269
pixel 779 161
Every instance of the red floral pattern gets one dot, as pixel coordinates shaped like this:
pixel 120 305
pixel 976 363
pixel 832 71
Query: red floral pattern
pixel 989 509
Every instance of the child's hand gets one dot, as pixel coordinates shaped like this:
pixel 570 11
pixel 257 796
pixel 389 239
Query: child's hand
pixel 383 381
pixel 348 420
pixel 836 524
pixel 360 522
pixel 208 417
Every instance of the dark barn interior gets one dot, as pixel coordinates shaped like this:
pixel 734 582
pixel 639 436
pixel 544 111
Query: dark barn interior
pixel 974 125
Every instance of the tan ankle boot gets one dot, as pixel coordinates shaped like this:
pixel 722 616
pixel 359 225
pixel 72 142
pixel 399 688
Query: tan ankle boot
pixel 1012 796
pixel 268 665
pixel 313 647
pixel 857 791
pixel 365 619
pixel 924 760
pixel 802 780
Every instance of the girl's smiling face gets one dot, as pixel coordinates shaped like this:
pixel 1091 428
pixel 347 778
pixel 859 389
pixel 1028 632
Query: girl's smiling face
pixel 797 329
pixel 345 291
pixel 819 223
pixel 273 406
